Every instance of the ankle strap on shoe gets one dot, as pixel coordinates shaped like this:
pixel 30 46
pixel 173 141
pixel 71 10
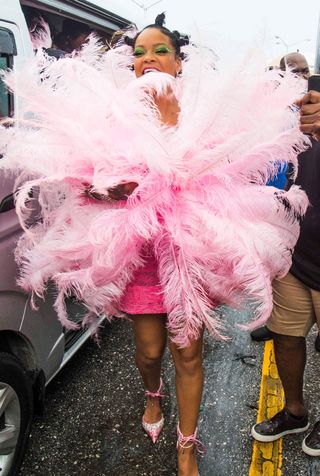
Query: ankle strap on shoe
pixel 157 393
pixel 189 441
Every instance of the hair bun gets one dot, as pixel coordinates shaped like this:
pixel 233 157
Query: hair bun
pixel 181 39
pixel 160 19
pixel 128 40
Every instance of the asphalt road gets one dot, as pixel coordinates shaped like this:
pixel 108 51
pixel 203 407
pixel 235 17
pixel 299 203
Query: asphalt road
pixel 93 410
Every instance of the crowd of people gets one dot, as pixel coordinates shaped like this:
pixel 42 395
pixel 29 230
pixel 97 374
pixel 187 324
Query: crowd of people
pixel 296 296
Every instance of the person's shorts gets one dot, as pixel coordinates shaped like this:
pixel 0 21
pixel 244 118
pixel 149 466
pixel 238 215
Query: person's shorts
pixel 296 307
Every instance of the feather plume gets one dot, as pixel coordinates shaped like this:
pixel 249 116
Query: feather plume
pixel 219 234
pixel 40 34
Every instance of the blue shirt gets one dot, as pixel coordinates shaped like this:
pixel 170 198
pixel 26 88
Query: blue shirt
pixel 280 179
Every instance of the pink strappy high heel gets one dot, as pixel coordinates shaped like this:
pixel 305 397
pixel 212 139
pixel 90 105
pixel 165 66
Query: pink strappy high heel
pixel 185 442
pixel 153 430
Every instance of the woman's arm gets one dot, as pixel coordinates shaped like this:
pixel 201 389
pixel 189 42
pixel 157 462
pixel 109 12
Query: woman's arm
pixel 120 192
pixel 169 112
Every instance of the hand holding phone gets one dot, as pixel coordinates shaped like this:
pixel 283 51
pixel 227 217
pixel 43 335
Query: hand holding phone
pixel 314 83
pixel 310 108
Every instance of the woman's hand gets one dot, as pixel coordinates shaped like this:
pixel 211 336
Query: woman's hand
pixel 168 107
pixel 120 192
pixel 310 114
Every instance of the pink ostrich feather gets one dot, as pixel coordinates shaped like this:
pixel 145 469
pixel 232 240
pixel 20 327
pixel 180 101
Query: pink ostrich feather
pixel 40 34
pixel 219 233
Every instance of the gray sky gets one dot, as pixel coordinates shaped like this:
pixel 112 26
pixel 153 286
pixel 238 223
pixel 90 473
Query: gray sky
pixel 232 24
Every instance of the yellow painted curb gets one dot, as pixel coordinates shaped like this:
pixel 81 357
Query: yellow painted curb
pixel 267 457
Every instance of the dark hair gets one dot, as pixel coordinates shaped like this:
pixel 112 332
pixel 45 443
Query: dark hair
pixel 282 64
pixel 175 37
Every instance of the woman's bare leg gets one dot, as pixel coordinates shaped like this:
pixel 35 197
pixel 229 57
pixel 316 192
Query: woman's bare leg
pixel 189 386
pixel 150 336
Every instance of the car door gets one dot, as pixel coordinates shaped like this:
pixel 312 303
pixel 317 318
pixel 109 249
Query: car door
pixel 41 328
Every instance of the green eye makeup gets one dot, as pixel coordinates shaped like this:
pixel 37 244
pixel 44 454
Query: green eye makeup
pixel 162 49
pixel 138 52
pixel 158 50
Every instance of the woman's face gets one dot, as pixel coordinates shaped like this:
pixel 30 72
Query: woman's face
pixel 153 51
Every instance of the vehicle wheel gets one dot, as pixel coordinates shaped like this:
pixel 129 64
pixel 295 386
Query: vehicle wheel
pixel 16 413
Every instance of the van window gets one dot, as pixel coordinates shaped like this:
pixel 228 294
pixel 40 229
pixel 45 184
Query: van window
pixel 7 52
pixel 61 34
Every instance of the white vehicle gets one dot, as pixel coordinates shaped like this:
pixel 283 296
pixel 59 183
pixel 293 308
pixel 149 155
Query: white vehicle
pixel 33 344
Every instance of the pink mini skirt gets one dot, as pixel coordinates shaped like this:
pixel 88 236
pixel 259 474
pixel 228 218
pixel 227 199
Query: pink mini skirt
pixel 143 294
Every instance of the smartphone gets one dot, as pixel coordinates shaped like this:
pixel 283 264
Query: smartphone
pixel 314 83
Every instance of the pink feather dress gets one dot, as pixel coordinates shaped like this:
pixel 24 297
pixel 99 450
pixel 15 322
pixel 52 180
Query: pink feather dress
pixel 201 229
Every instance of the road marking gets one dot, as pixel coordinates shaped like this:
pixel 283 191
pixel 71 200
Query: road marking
pixel 267 457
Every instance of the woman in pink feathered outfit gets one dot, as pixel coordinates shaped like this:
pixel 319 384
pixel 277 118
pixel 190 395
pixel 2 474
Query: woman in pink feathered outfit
pixel 152 186
pixel 155 50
